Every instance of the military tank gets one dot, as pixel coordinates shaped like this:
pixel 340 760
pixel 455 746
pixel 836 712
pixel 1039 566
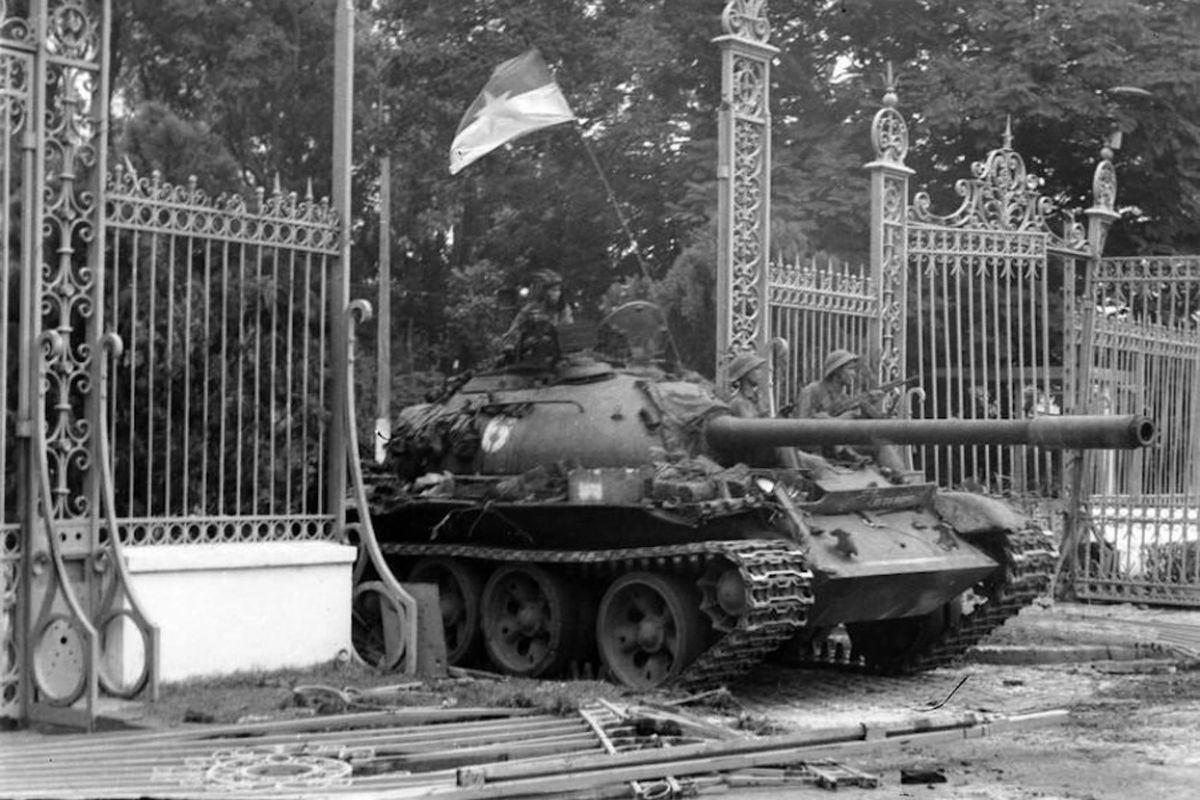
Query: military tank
pixel 598 509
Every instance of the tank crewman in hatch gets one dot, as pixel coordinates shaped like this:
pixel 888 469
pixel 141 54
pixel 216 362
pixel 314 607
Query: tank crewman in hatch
pixel 531 338
pixel 833 396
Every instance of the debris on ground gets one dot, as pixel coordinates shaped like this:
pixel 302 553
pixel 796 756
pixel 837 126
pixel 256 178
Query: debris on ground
pixel 925 775
pixel 366 743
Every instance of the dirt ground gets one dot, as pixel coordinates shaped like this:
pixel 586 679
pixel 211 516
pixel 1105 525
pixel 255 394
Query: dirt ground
pixel 1133 729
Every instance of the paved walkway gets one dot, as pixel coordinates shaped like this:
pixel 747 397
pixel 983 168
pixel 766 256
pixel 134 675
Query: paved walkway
pixel 1050 632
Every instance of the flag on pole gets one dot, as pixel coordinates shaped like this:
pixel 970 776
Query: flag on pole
pixel 520 97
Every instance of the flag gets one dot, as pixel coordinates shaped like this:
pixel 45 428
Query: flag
pixel 520 97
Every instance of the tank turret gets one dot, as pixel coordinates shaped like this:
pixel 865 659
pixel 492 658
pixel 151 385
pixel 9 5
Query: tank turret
pixel 604 514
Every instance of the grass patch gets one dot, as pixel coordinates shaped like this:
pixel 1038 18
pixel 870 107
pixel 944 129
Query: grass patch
pixel 270 695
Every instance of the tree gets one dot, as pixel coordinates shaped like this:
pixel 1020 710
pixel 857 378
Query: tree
pixel 258 75
pixel 155 139
pixel 643 78
pixel 1049 67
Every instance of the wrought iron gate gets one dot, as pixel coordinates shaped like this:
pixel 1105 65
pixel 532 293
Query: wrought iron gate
pixel 815 308
pixel 217 410
pixel 167 365
pixel 974 304
pixel 67 600
pixel 1137 538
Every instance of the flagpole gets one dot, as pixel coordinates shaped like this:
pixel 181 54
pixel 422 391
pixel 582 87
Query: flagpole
pixel 612 198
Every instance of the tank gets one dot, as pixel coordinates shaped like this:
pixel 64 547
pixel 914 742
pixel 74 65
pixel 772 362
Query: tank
pixel 600 514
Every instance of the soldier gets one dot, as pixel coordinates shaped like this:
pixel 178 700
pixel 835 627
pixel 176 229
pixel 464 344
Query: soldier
pixel 532 337
pixel 833 396
pixel 745 378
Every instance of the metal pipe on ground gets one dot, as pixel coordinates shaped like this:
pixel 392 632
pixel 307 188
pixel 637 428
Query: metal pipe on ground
pixel 560 775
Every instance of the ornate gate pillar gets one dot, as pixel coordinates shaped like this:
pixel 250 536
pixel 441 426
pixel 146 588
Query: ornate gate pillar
pixel 889 251
pixel 74 605
pixel 744 181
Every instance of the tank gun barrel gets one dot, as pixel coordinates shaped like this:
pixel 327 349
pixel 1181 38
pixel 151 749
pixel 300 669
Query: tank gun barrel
pixel 1099 431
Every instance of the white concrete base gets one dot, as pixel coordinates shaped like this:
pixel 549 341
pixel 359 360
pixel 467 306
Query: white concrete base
pixel 224 608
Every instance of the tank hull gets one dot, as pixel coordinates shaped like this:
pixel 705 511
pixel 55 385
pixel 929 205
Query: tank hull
pixel 599 516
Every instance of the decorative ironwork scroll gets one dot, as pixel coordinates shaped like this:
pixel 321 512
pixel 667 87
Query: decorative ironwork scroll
pixel 1002 195
pixel 985 320
pixel 747 19
pixel 889 208
pixel 744 179
pixel 70 588
pixel 72 141
pixel 16 75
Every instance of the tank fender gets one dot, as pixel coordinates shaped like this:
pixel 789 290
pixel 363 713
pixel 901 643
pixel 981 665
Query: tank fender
pixel 968 513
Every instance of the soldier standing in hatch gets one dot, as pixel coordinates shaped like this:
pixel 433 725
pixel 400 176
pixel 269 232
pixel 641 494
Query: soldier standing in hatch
pixel 532 336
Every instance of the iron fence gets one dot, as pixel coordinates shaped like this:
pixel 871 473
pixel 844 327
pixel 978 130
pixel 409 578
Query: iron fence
pixel 816 307
pixel 1139 535
pixel 218 403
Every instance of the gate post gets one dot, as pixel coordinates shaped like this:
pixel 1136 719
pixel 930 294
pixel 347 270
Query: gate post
pixel 339 294
pixel 744 182
pixel 889 243
pixel 1078 378
pixel 77 614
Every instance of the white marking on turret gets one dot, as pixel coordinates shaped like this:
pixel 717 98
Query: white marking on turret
pixel 496 433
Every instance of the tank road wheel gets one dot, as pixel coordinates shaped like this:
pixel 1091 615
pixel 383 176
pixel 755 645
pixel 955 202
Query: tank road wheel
pixel 459 588
pixel 649 628
pixel 529 620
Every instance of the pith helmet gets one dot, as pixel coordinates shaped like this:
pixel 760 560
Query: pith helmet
pixel 836 360
pixel 742 365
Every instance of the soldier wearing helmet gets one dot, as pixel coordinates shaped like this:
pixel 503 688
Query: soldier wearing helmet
pixel 833 396
pixel 745 380
pixel 747 377
pixel 822 398
pixel 532 336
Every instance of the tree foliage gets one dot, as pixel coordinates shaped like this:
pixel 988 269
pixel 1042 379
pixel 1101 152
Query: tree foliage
pixel 249 84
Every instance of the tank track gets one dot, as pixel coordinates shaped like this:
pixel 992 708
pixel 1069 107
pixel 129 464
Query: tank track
pixel 777 579
pixel 1030 559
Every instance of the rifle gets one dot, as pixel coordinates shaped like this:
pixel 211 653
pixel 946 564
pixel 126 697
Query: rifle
pixel 857 400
